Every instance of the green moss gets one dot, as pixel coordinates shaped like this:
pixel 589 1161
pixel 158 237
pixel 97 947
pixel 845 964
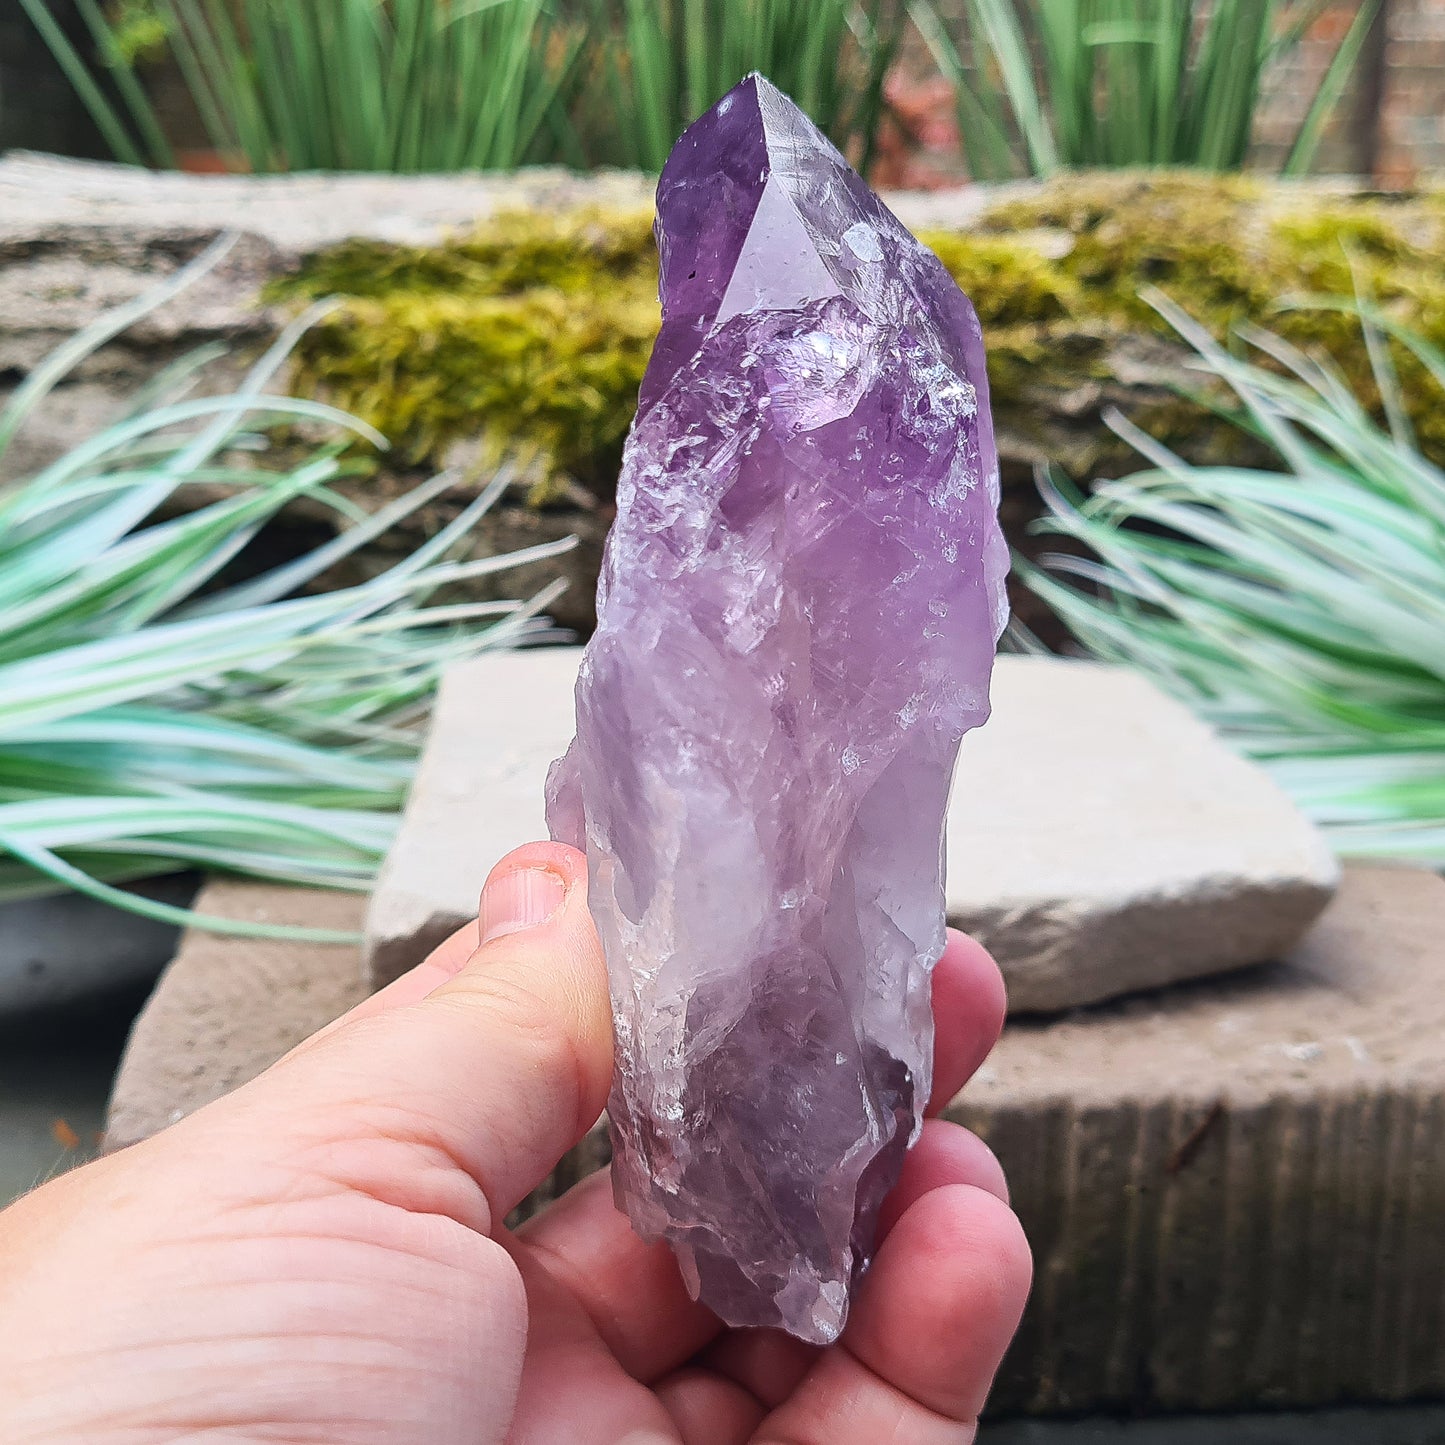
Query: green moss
pixel 1233 249
pixel 534 331
pixel 546 372
pixel 1174 230
pixel 1012 285
pixel 512 254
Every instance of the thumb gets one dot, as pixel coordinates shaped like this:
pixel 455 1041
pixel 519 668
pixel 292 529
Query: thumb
pixel 494 1074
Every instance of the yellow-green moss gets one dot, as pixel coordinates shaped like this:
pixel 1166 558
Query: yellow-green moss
pixel 534 331
pixel 1233 249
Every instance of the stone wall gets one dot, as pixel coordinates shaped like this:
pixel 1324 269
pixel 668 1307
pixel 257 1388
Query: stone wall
pixel 1350 145
pixel 1412 111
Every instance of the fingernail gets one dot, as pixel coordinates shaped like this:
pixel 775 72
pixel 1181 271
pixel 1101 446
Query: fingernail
pixel 520 899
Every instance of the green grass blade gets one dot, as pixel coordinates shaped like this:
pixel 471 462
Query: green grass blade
pixel 66 874
pixel 107 120
pixel 70 353
pixel 997 21
pixel 985 142
pixel 1300 612
pixel 122 71
pixel 144 729
pixel 1331 88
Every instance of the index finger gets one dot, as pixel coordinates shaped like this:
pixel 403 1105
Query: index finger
pixel 968 1012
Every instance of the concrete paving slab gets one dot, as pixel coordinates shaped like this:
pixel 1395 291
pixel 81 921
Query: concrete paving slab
pixel 228 1007
pixel 478 794
pixel 1100 839
pixel 1234 1188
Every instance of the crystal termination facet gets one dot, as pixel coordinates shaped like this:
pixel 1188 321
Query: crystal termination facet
pixel 800 600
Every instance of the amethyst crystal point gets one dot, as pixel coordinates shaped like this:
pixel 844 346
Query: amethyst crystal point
pixel 796 623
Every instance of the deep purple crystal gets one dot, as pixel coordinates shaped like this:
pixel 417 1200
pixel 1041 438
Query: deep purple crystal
pixel 796 624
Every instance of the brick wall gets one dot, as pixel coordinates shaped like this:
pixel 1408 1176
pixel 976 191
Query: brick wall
pixel 1412 112
pixel 1390 122
pixel 1349 142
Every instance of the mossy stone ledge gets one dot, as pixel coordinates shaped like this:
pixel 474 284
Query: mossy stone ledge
pixel 483 316
pixel 533 330
pixel 536 327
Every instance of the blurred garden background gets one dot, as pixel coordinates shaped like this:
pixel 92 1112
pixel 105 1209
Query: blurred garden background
pixel 247 86
pixel 321 330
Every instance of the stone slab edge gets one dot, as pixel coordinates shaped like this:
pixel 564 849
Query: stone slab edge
pixel 1233 1188
pixel 228 1007
pixel 1088 873
pixel 431 879
pixel 304 212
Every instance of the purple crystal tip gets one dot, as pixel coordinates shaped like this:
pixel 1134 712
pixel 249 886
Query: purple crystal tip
pixel 797 615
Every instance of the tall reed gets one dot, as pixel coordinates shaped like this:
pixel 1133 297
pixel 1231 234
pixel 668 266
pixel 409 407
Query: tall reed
pixel 442 85
pixel 664 62
pixel 358 85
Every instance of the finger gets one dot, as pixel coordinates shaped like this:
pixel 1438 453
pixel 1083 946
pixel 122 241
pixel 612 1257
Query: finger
pixel 632 1292
pixel 769 1364
pixel 946 1153
pixel 708 1410
pixel 943 1299
pixel 570 1385
pixel 445 961
pixel 634 1295
pixel 968 1013
pixel 485 1082
pixel 929 1329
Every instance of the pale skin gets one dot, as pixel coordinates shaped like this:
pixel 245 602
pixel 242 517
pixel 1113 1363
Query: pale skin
pixel 320 1256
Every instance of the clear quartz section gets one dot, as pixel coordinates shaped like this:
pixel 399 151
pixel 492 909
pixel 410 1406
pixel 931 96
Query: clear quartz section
pixel 796 625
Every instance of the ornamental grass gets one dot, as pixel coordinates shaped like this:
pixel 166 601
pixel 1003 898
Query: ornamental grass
pixel 1300 611
pixel 164 706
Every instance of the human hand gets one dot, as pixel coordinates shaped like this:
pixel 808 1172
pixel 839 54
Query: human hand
pixel 320 1256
